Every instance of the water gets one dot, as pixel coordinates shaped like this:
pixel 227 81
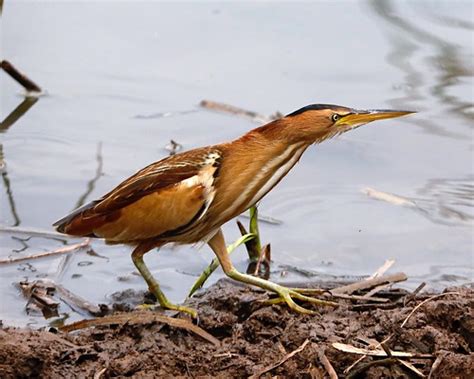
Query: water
pixel 110 70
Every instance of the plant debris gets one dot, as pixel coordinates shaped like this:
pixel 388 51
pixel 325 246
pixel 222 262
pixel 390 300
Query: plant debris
pixel 259 340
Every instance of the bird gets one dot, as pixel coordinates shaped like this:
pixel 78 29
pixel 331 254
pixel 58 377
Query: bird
pixel 186 198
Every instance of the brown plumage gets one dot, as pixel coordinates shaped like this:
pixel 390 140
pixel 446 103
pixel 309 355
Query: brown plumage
pixel 185 198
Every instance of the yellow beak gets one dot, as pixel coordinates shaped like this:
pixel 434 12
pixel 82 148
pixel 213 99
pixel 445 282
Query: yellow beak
pixel 360 117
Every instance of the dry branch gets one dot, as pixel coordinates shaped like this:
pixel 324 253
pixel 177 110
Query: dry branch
pixel 424 302
pixel 388 197
pixel 35 232
pixel 382 269
pixel 327 365
pixel 142 318
pixel 281 361
pixel 435 365
pixel 377 352
pixel 367 284
pixel 21 78
pixel 62 250
pixel 226 108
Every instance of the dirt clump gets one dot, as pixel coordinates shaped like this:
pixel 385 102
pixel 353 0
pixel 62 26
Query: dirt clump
pixel 259 340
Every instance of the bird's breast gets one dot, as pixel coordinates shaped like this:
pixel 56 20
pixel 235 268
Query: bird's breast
pixel 251 178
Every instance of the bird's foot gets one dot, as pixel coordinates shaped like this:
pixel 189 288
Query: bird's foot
pixel 288 295
pixel 285 294
pixel 169 306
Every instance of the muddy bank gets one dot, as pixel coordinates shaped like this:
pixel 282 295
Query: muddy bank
pixel 260 340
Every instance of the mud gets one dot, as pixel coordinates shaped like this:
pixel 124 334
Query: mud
pixel 254 337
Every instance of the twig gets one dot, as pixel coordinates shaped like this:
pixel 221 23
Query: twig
pixel 382 269
pixel 34 232
pixel 142 318
pixel 366 284
pixel 435 365
pixel 99 373
pixel 377 352
pixel 327 365
pixel 372 346
pixel 62 250
pixel 411 367
pixel 221 107
pixel 250 245
pixel 22 79
pixel 265 258
pixel 75 301
pixel 424 302
pixel 388 197
pixel 253 229
pixel 91 183
pixel 412 295
pixel 375 290
pixel 8 188
pixel 402 325
pixel 365 367
pixel 281 361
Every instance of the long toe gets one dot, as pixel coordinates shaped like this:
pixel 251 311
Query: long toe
pixel 313 300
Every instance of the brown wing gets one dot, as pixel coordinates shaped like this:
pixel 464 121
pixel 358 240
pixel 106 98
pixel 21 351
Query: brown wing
pixel 164 196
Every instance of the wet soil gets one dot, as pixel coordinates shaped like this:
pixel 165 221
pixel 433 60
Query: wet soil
pixel 255 338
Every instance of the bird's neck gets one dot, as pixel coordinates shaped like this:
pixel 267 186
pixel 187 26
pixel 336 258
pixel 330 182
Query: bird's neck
pixel 255 163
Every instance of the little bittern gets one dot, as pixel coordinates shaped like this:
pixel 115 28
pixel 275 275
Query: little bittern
pixel 185 198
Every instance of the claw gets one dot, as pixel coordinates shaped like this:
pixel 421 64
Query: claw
pixel 286 295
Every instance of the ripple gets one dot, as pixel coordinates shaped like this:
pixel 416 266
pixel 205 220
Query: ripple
pixel 448 201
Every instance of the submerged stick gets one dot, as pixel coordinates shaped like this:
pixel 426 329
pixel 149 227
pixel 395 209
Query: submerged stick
pixel 221 107
pixel 62 250
pixel 388 197
pixel 21 78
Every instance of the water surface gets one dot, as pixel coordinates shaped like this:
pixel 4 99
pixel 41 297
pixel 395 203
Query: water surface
pixel 123 79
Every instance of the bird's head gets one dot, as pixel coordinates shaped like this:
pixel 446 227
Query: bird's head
pixel 318 122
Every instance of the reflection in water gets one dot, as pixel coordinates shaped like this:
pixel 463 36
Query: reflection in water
pixel 437 274
pixel 19 111
pixel 91 183
pixel 448 201
pixel 447 61
pixel 448 20
pixel 13 117
pixel 8 190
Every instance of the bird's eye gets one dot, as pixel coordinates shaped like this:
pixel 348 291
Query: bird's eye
pixel 335 117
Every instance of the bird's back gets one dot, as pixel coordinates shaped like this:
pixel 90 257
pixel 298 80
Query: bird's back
pixel 163 199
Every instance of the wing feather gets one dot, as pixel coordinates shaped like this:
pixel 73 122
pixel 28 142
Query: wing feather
pixel 166 196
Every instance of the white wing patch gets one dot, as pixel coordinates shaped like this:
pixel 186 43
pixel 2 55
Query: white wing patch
pixel 205 178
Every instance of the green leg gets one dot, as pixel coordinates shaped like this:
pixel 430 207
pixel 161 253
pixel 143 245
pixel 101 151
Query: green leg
pixel 287 295
pixel 137 258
